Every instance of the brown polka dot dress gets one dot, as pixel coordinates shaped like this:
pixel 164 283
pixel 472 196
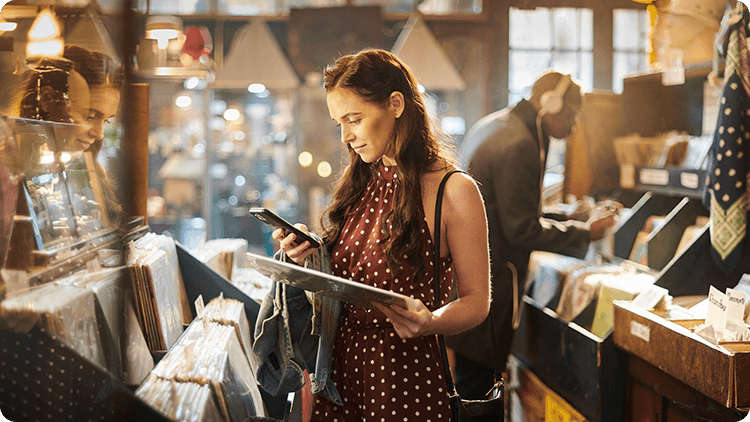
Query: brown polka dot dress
pixel 380 376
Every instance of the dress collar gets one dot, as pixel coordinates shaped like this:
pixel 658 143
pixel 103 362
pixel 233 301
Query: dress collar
pixel 385 171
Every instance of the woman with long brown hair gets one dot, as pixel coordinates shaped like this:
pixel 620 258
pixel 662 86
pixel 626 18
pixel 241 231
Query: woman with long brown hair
pixel 379 229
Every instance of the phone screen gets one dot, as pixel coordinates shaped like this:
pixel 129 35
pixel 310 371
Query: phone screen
pixel 274 220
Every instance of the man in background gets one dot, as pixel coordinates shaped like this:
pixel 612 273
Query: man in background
pixel 505 152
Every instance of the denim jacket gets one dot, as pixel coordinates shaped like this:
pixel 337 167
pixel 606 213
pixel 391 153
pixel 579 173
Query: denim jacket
pixel 293 335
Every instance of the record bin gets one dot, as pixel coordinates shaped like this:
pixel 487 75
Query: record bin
pixel 42 377
pixel 64 229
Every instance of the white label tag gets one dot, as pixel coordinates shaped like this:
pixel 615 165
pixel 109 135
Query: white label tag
pixel 199 307
pixel 656 177
pixel 689 180
pixel 641 331
pixel 735 305
pixel 716 315
pixel 650 297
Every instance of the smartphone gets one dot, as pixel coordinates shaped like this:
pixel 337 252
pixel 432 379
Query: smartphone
pixel 272 219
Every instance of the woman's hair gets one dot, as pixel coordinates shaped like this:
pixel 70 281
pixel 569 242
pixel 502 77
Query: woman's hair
pixel 97 69
pixel 48 72
pixel 415 146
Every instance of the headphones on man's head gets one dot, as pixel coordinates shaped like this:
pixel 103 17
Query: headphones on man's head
pixel 552 102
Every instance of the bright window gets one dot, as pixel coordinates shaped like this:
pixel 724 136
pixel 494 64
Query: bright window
pixel 427 7
pixel 630 42
pixel 543 38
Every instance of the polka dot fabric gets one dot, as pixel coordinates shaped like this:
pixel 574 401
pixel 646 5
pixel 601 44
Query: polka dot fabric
pixel 380 376
pixel 42 379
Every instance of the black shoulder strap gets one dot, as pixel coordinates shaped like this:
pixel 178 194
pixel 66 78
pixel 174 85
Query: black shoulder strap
pixel 436 264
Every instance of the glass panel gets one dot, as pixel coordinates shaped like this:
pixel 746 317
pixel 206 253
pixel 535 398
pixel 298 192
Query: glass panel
pixel 427 7
pixel 525 67
pixel 177 156
pixel 579 65
pixel 525 29
pixel 114 6
pixel 556 156
pixel 450 7
pixel 64 128
pixel 624 64
pixel 299 4
pixel 566 27
pixel 630 41
pixel 179 7
pixel 514 96
pixel 389 6
pixel 566 62
pixel 586 31
pixel 572 51
pixel 248 7
pixel 626 30
pixel 645 27
pixel 585 73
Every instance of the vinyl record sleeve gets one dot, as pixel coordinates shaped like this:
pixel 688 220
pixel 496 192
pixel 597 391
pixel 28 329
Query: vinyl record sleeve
pixel 326 284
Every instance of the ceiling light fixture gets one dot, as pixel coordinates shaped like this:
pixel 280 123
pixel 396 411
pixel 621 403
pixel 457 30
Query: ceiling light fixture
pixel 44 36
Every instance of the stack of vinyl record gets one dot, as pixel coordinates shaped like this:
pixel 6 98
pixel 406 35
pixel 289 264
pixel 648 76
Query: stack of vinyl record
pixel 211 354
pixel 231 312
pixel 157 297
pixel 65 311
pixel 151 241
pixel 222 255
pixel 181 401
pixel 109 336
pixel 252 283
pixel 128 356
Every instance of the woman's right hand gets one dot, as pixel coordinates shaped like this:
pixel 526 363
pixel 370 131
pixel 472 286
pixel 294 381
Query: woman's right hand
pixel 296 253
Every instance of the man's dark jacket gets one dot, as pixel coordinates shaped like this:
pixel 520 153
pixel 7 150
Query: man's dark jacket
pixel 501 151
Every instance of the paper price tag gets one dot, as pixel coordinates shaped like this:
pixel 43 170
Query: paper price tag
pixel 689 180
pixel 627 176
pixel 736 305
pixel 657 177
pixel 641 331
pixel 650 297
pixel 716 315
pixel 554 411
pixel 199 307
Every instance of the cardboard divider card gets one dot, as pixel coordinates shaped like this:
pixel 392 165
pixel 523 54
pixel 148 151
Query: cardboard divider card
pixel 735 305
pixel 717 308
pixel 650 296
pixel 200 310
pixel 199 307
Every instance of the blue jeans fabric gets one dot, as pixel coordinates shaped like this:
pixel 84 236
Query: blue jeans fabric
pixel 293 335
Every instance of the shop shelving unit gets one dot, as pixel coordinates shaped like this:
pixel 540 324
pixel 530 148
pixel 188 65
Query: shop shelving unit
pixel 589 372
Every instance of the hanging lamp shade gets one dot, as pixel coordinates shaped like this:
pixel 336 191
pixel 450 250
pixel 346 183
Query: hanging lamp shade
pixel 89 32
pixel 255 58
pixel 418 48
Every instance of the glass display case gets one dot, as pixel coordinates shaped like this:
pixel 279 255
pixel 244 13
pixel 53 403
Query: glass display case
pixel 179 191
pixel 64 197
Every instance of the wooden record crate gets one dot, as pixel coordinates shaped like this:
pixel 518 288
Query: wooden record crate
pixel 530 400
pixel 43 379
pixel 586 371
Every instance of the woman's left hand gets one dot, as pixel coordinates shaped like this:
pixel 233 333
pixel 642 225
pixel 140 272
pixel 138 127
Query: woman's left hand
pixel 408 323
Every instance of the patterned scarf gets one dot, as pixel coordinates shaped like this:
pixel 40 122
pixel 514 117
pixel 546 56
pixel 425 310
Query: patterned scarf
pixel 726 181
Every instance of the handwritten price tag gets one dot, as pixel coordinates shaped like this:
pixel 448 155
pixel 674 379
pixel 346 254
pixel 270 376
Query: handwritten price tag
pixel 657 177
